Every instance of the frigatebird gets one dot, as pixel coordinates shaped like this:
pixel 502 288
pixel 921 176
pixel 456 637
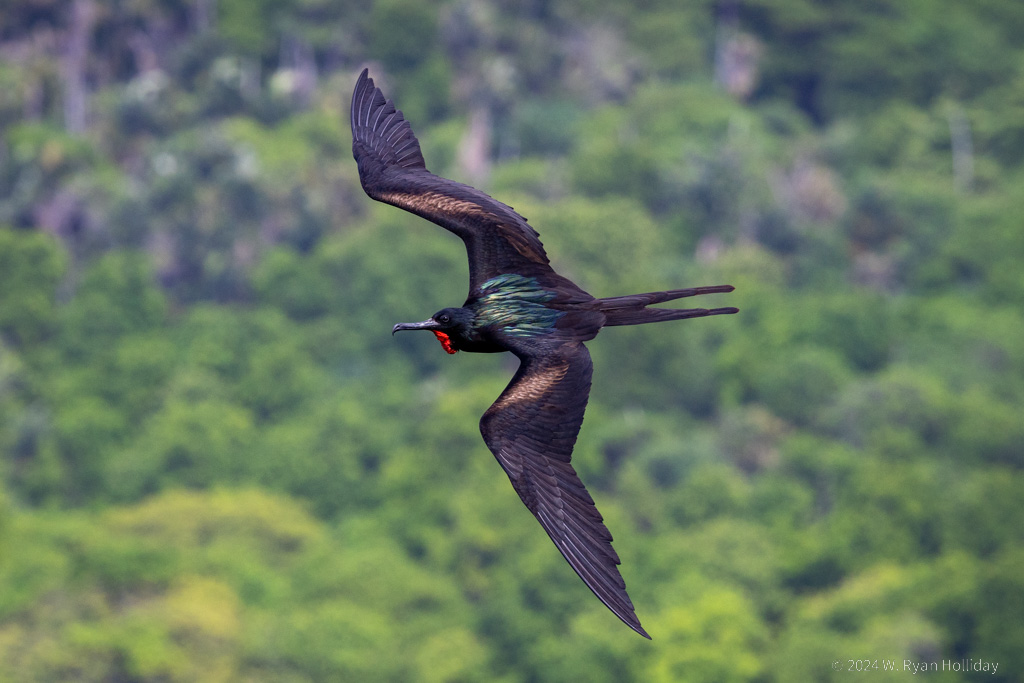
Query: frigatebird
pixel 516 303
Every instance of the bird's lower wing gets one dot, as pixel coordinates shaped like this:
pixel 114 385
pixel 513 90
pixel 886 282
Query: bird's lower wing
pixel 531 429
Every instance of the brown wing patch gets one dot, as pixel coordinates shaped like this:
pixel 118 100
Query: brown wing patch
pixel 531 388
pixel 440 207
pixel 523 246
pixel 433 202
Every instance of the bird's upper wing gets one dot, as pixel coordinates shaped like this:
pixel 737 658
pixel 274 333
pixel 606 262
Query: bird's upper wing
pixel 531 429
pixel 392 170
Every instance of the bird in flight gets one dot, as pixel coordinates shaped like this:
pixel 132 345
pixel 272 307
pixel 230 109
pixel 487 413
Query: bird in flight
pixel 516 303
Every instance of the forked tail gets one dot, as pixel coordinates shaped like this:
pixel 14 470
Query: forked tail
pixel 632 309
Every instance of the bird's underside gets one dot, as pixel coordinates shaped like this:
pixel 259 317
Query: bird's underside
pixel 516 303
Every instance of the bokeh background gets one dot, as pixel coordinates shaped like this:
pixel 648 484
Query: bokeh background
pixel 218 465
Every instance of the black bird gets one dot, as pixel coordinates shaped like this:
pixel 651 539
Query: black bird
pixel 516 303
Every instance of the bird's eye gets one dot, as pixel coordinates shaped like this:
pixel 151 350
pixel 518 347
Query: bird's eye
pixel 444 319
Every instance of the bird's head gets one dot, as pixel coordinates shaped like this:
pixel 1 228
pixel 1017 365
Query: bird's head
pixel 449 325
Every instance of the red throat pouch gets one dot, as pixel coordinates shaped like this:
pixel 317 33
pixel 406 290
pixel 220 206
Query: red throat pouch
pixel 446 341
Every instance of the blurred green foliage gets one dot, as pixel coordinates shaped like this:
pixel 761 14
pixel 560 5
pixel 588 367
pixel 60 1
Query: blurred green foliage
pixel 217 464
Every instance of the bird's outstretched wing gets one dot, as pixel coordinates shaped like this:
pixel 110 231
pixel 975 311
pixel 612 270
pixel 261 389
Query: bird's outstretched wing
pixel 392 170
pixel 531 429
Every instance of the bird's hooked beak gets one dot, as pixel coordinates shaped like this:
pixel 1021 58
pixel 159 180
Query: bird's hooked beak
pixel 433 326
pixel 429 324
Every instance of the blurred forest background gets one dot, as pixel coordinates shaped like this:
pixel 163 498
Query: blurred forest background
pixel 218 464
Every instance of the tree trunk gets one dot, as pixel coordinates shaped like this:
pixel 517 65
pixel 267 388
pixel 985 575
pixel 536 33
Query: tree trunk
pixel 74 59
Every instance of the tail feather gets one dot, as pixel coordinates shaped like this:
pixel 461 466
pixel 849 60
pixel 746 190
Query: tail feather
pixel 640 316
pixel 631 309
pixel 636 300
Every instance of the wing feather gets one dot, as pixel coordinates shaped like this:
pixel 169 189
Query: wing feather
pixel 531 429
pixel 392 170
